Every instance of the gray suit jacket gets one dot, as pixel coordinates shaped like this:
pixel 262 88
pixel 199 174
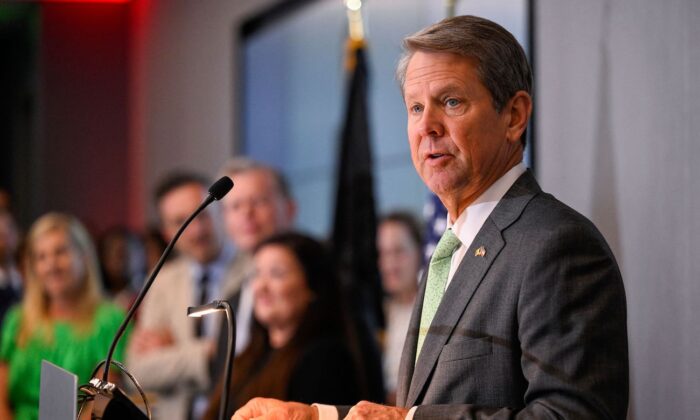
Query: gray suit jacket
pixel 535 328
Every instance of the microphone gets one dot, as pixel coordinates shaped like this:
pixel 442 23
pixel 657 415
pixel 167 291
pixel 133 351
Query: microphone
pixel 219 189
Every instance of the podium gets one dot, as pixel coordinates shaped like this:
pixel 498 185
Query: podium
pixel 58 398
pixel 58 393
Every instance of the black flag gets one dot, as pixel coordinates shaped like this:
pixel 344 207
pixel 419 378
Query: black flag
pixel 355 225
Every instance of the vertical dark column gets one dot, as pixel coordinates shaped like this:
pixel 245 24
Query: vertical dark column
pixel 18 95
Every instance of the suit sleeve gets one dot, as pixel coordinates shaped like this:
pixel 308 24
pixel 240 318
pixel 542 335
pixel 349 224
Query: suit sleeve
pixel 571 331
pixel 180 365
pixel 186 363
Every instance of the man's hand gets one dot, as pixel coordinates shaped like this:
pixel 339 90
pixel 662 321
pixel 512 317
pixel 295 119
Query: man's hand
pixel 271 409
pixel 144 340
pixel 372 411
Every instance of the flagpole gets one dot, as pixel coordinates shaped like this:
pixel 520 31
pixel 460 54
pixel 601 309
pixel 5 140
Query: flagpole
pixel 355 225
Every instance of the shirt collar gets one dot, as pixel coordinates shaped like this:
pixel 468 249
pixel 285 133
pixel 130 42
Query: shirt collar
pixel 470 221
pixel 216 268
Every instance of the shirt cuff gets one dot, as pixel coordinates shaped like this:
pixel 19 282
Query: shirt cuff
pixel 326 412
pixel 411 413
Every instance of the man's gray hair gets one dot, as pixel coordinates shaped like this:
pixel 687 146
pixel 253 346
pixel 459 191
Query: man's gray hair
pixel 238 165
pixel 501 62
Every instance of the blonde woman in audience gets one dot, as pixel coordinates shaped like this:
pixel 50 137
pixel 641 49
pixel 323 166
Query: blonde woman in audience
pixel 62 317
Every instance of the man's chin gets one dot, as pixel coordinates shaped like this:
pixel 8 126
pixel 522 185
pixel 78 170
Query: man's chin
pixel 444 184
pixel 248 243
pixel 439 189
pixel 205 256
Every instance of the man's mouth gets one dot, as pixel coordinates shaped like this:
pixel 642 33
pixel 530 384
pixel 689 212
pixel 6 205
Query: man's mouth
pixel 437 157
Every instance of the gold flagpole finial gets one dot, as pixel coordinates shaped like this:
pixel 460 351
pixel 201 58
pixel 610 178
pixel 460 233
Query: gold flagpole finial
pixel 450 7
pixel 356 38
pixel 355 24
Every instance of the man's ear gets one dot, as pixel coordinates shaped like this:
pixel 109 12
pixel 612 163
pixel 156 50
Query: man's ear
pixel 518 109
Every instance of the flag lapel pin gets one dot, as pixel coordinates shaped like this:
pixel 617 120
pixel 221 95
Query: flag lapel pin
pixel 480 252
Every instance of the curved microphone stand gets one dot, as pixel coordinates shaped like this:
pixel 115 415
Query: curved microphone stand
pixel 219 189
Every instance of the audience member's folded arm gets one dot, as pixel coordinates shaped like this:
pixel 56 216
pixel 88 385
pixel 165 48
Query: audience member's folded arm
pixel 172 367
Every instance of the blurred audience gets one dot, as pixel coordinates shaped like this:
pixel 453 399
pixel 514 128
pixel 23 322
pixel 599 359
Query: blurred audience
pixel 62 317
pixel 170 353
pixel 300 347
pixel 259 205
pixel 10 278
pixel 153 247
pixel 400 259
pixel 5 200
pixel 117 253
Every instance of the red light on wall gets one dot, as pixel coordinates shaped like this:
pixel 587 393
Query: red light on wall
pixel 80 1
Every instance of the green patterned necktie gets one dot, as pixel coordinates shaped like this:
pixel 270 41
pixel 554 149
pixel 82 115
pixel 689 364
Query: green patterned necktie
pixel 438 271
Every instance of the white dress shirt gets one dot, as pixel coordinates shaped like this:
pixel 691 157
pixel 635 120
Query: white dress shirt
pixel 216 270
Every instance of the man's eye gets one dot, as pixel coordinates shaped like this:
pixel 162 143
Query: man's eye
pixel 416 108
pixel 260 201
pixel 452 102
pixel 176 222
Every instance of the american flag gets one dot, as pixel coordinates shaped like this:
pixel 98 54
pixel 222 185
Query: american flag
pixel 435 218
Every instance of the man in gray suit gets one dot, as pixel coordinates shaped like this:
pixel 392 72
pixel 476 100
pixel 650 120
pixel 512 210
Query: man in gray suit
pixel 522 311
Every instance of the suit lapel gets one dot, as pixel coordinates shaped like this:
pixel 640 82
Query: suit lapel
pixel 408 355
pixel 462 287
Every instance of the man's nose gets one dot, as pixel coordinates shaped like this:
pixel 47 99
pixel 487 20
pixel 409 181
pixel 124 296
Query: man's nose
pixel 249 209
pixel 258 284
pixel 196 227
pixel 430 124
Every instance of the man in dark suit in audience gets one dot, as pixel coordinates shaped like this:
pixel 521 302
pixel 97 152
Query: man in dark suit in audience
pixel 522 310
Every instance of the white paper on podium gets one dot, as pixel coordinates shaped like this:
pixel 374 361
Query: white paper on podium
pixel 58 394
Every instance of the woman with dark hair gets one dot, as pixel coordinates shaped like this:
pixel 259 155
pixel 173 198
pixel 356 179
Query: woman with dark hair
pixel 299 347
pixel 116 252
pixel 399 243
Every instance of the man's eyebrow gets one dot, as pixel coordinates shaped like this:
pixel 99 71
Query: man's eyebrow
pixel 449 87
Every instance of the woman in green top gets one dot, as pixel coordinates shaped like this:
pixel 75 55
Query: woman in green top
pixel 62 317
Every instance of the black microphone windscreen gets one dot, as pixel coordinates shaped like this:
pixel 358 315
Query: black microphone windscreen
pixel 221 187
